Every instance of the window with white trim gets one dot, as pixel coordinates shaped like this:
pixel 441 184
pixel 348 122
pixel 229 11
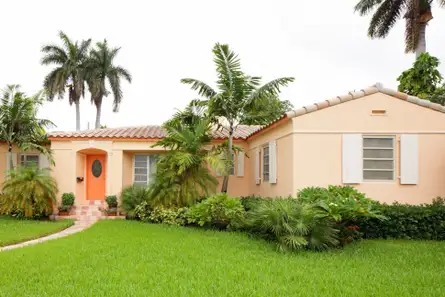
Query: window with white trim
pixel 378 158
pixel 266 163
pixel 144 169
pixel 29 160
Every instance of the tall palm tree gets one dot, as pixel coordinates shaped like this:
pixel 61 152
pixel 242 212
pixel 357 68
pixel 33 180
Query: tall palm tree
pixel 70 59
pixel 100 69
pixel 417 14
pixel 236 95
pixel 19 124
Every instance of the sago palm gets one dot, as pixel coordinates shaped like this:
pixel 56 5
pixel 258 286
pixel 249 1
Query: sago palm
pixel 19 124
pixel 417 14
pixel 236 95
pixel 29 190
pixel 101 69
pixel 70 60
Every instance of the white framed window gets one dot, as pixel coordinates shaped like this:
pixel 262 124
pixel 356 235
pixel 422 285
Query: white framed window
pixel 378 158
pixel 144 169
pixel 29 160
pixel 265 160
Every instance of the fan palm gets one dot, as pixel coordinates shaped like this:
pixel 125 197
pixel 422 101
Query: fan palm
pixel 417 14
pixel 70 59
pixel 19 124
pixel 236 95
pixel 100 69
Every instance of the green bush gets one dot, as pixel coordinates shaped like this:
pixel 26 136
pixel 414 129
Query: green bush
pixel 111 201
pixel 131 197
pixel 422 222
pixel 293 224
pixel 143 211
pixel 161 214
pixel 68 199
pixel 217 211
pixel 251 202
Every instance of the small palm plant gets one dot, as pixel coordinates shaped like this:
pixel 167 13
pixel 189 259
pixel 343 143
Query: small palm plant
pixel 29 190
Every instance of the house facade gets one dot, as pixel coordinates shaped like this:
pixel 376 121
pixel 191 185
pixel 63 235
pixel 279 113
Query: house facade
pixel 387 144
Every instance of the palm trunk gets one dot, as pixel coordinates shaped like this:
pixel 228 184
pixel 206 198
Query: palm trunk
pixel 77 103
pixel 225 184
pixel 98 113
pixel 11 163
pixel 421 45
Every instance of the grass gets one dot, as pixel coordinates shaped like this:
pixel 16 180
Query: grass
pixel 14 231
pixel 125 258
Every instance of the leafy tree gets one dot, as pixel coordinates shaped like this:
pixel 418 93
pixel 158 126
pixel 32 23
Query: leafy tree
pixel 29 190
pixel 267 111
pixel 101 69
pixel 417 14
pixel 182 174
pixel 423 79
pixel 70 59
pixel 236 96
pixel 19 124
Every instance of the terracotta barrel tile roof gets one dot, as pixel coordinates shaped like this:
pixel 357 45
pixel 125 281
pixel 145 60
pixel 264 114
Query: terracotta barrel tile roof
pixel 146 132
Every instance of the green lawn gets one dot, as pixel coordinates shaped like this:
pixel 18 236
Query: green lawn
pixel 125 258
pixel 14 231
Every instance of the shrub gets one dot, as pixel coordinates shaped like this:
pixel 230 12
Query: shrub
pixel 293 224
pixel 29 191
pixel 143 211
pixel 131 197
pixel 111 201
pixel 422 222
pixel 161 214
pixel 68 199
pixel 217 211
pixel 251 202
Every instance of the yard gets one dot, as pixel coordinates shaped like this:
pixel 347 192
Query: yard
pixel 127 258
pixel 14 231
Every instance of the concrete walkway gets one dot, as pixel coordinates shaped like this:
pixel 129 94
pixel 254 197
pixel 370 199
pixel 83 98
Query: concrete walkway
pixel 77 227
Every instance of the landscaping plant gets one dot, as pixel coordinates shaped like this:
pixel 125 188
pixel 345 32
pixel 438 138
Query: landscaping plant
pixel 131 197
pixel 67 202
pixel 112 204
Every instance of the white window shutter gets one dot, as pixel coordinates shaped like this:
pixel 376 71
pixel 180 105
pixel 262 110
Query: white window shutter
pixel 44 161
pixel 352 158
pixel 257 167
pixel 8 164
pixel 240 163
pixel 273 162
pixel 409 159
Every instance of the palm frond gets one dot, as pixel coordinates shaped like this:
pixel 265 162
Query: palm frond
pixel 270 89
pixel 365 6
pixel 203 89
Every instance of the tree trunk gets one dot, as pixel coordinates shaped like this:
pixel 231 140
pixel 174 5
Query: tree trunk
pixel 98 113
pixel 421 45
pixel 225 184
pixel 11 163
pixel 77 103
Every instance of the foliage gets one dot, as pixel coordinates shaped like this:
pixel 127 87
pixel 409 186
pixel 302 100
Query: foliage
pixel 29 190
pixel 19 124
pixel 251 202
pixel 293 224
pixel 183 174
pixel 142 211
pixel 101 69
pixel 267 111
pixel 422 222
pixel 161 214
pixel 217 211
pixel 423 79
pixel 131 197
pixel 111 201
pixel 68 199
pixel 386 13
pixel 70 60
pixel 237 96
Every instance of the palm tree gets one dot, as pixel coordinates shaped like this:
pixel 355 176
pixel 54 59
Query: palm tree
pixel 100 69
pixel 19 124
pixel 417 14
pixel 70 59
pixel 237 95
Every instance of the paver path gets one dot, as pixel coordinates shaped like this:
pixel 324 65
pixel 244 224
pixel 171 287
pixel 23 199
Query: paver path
pixel 77 227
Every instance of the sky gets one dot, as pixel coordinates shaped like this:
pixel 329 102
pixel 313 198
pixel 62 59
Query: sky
pixel 323 44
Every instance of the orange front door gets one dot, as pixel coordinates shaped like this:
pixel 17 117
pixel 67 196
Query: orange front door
pixel 96 169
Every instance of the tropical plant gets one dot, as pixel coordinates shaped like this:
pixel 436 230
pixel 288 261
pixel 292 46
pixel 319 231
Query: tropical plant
pixel 29 190
pixel 111 201
pixel 170 216
pixel 217 211
pixel 294 225
pixel 423 79
pixel 131 197
pixel 70 59
pixel 183 174
pixel 19 124
pixel 417 14
pixel 101 69
pixel 67 202
pixel 236 96
pixel 267 111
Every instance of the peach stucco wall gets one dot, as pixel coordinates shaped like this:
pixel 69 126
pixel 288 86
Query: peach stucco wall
pixel 318 146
